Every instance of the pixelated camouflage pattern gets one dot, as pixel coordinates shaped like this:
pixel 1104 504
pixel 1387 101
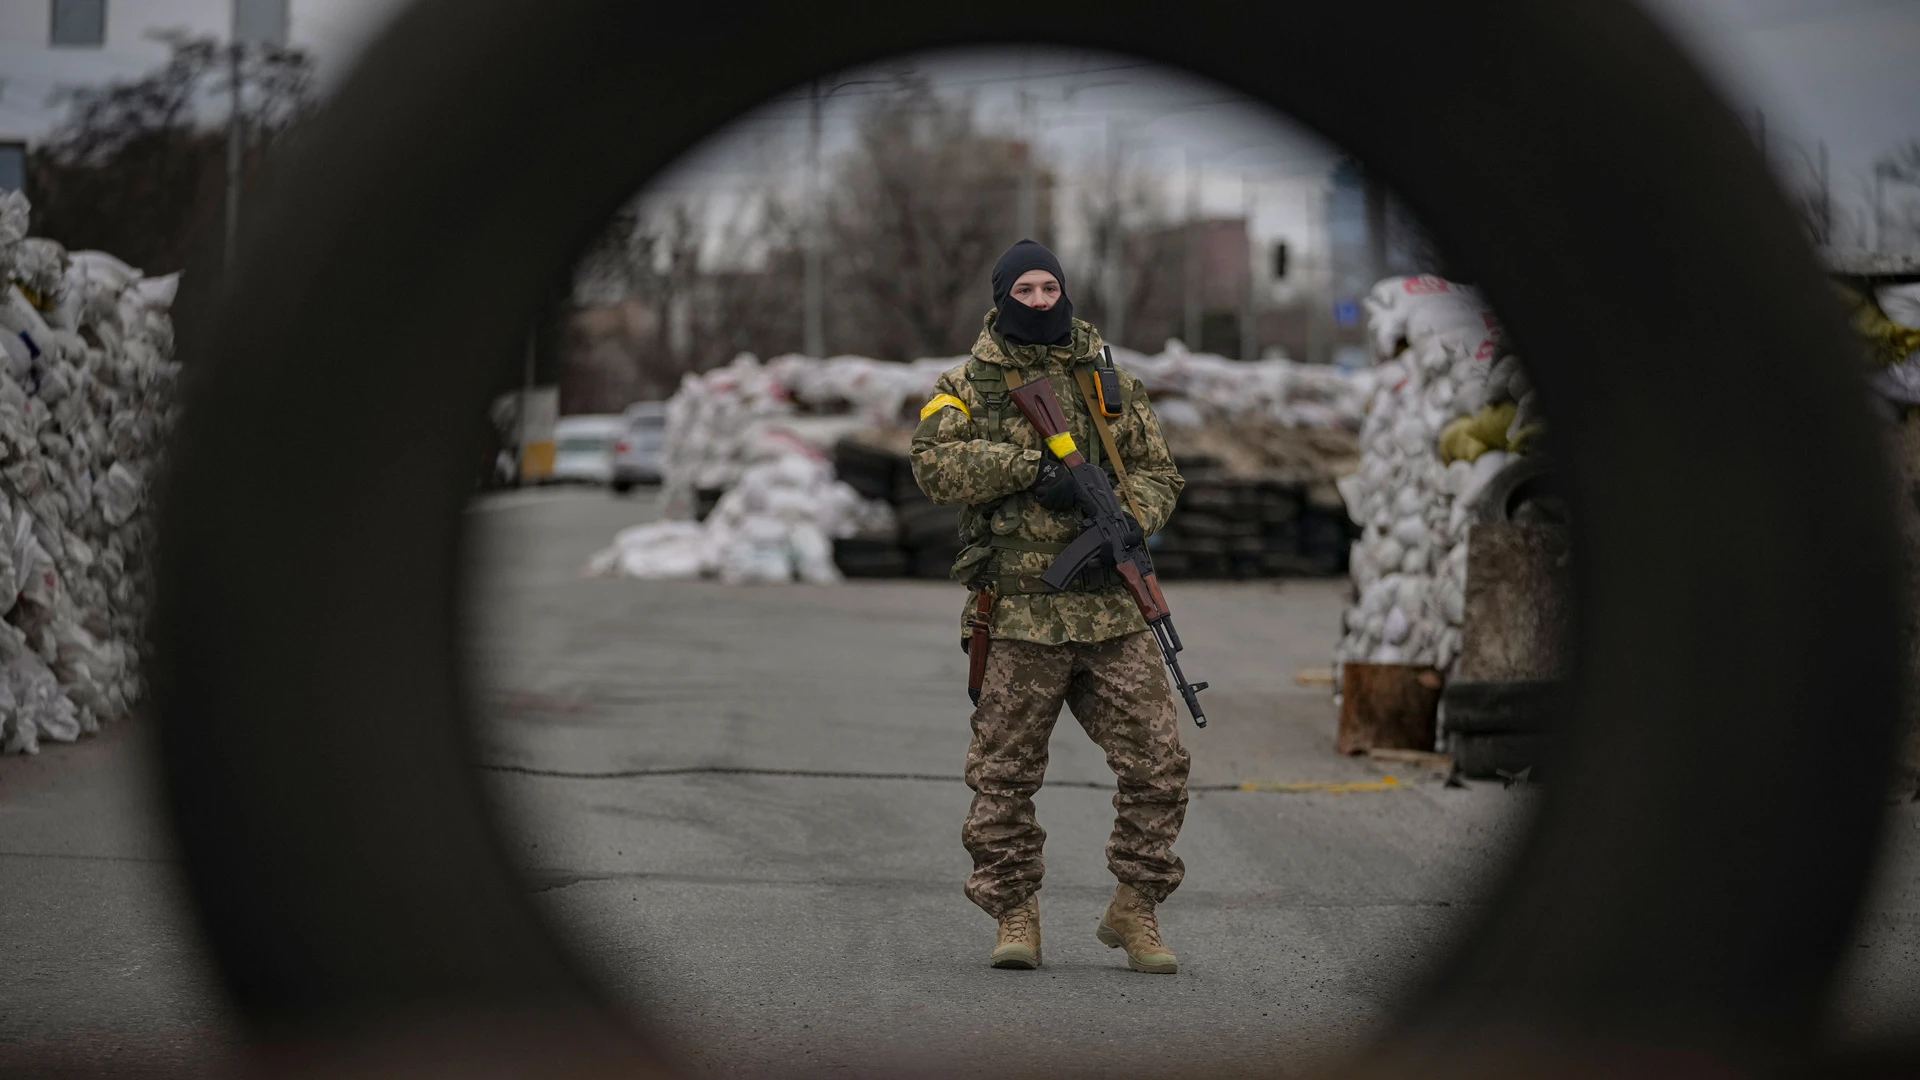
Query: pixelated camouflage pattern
pixel 953 461
pixel 1119 692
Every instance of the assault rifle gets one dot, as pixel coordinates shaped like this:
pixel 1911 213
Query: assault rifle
pixel 1107 534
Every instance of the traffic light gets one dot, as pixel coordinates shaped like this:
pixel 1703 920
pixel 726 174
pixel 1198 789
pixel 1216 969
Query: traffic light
pixel 1279 261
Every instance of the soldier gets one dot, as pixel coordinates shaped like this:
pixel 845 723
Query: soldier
pixel 1087 646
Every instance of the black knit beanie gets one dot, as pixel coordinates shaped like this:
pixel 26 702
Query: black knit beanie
pixel 1018 322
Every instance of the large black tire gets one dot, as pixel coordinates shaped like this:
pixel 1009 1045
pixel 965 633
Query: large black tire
pixel 870 558
pixel 1699 860
pixel 869 470
pixel 928 524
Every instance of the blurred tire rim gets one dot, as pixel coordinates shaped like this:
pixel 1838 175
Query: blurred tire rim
pixel 1738 633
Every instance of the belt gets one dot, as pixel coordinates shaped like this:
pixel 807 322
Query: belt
pixel 1092 579
pixel 1015 543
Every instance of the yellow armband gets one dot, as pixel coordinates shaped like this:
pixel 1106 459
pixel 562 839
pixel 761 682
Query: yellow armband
pixel 941 401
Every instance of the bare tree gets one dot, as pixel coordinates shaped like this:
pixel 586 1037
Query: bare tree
pixel 920 208
pixel 135 165
pixel 1119 204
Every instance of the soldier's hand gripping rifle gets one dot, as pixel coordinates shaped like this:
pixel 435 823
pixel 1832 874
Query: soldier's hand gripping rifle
pixel 1107 536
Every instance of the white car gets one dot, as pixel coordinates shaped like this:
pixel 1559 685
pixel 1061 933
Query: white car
pixel 583 448
pixel 639 454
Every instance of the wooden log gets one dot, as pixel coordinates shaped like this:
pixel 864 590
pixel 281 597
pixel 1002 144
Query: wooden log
pixel 1387 706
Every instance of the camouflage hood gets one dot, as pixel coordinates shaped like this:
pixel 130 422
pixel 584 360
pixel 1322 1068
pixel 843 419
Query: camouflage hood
pixel 991 348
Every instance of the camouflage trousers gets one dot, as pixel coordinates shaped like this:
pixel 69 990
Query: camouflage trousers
pixel 1119 692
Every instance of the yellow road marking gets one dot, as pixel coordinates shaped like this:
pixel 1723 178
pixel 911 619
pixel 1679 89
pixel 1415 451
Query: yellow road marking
pixel 1337 787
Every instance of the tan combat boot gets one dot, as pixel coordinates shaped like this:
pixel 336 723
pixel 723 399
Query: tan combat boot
pixel 1018 945
pixel 1130 924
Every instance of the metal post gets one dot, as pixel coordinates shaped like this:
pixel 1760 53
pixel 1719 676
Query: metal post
pixel 1316 292
pixel 1116 253
pixel 1028 210
pixel 1249 347
pixel 1376 230
pixel 1879 207
pixel 526 412
pixel 235 124
pixel 1826 199
pixel 1192 259
pixel 813 301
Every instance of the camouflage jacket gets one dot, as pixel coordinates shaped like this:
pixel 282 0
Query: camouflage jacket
pixel 1008 538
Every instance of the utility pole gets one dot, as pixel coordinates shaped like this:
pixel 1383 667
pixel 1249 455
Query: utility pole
pixel 1116 245
pixel 1249 346
pixel 1376 195
pixel 814 334
pixel 1028 209
pixel 526 411
pixel 1316 295
pixel 1879 206
pixel 254 22
pixel 236 121
pixel 1826 199
pixel 1192 260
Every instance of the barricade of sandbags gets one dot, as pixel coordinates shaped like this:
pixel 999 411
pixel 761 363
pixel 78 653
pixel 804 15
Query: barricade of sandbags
pixel 716 417
pixel 1450 409
pixel 777 524
pixel 86 392
pixel 721 423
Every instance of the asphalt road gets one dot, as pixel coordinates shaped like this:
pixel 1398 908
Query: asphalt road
pixel 774 916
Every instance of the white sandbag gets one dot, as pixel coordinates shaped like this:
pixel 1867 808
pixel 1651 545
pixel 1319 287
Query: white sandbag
pixel 39 264
pixel 156 294
pixel 119 494
pixel 1525 415
pixel 812 554
pixel 757 554
pixel 1484 469
pixel 1898 383
pixel 1397 626
pixel 1900 303
pixel 15 213
pixel 104 268
pixel 1409 530
pixel 660 550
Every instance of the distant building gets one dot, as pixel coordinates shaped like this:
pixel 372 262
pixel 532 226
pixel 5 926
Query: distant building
pixel 51 44
pixel 1364 244
pixel 1222 265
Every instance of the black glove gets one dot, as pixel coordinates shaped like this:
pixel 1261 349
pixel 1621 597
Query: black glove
pixel 1135 534
pixel 1053 488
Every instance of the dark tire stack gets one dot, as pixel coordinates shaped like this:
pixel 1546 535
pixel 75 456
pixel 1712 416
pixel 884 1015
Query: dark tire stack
pixel 1225 527
pixel 1232 529
pixel 928 539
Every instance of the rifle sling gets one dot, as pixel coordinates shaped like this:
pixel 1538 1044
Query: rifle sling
pixel 1085 379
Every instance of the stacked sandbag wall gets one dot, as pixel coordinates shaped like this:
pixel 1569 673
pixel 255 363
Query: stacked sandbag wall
pixel 1450 410
pixel 1261 442
pixel 86 392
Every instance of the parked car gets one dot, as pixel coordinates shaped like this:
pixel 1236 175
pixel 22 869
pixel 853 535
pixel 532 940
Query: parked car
pixel 639 454
pixel 583 448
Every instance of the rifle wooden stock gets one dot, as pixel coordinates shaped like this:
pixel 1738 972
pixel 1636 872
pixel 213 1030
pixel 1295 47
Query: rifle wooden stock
pixel 1037 403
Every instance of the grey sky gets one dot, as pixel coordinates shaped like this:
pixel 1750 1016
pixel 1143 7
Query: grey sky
pixel 1842 71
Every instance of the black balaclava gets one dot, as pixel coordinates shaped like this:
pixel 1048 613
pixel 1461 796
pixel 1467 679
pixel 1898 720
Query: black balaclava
pixel 1019 323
